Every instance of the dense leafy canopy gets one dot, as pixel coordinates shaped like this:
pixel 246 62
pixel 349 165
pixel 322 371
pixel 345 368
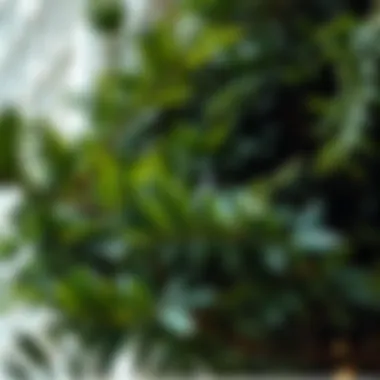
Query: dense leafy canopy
pixel 225 204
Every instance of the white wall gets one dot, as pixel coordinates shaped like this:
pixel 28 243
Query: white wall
pixel 48 53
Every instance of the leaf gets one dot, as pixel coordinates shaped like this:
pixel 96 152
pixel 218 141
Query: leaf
pixel 10 134
pixel 108 179
pixel 107 15
pixel 146 169
pixel 222 106
pixel 225 211
pixel 316 240
pixel 215 137
pixel 175 198
pixel 335 37
pixel 332 157
pixel 56 155
pixel 211 41
pixel 155 213
pixel 178 321
pixel 162 58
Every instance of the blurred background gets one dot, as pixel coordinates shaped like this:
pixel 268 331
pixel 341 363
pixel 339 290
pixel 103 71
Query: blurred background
pixel 189 187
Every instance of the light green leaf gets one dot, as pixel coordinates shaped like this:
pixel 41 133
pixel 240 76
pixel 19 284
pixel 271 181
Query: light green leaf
pixel 210 42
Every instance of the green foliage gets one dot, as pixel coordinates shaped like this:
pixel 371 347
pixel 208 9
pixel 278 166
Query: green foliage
pixel 226 196
pixel 10 130
pixel 107 15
